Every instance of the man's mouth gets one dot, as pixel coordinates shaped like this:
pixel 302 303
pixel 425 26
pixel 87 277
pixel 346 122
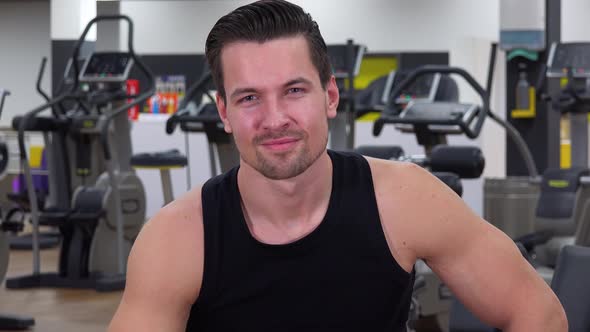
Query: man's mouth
pixel 280 144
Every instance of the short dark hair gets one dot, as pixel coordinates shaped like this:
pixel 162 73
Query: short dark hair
pixel 262 21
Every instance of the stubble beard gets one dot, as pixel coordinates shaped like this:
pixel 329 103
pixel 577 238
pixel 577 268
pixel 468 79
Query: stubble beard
pixel 281 166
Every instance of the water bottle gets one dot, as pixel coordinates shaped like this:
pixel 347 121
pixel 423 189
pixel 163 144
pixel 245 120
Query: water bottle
pixel 522 91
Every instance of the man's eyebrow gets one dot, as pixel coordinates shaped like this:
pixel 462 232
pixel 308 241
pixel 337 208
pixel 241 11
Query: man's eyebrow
pixel 298 80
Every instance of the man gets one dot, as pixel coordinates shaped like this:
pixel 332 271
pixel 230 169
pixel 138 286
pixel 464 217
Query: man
pixel 300 238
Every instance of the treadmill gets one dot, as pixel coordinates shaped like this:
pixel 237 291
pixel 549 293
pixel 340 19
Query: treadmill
pixel 198 114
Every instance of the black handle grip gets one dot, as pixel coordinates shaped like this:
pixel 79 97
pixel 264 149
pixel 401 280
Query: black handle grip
pixel 40 78
pixel 173 121
pixel 3 94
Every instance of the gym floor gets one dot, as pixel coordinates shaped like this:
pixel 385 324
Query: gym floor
pixel 56 309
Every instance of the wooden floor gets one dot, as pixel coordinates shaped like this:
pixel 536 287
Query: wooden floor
pixel 55 309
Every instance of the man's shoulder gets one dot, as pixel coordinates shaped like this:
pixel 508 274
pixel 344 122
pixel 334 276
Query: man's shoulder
pixel 172 241
pixel 185 211
pixel 165 267
pixel 412 204
pixel 405 189
pixel 179 223
pixel 392 175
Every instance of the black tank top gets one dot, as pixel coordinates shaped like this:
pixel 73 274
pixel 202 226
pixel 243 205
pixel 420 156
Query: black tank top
pixel 340 277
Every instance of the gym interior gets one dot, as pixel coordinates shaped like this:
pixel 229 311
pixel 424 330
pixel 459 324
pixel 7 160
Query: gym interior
pixel 107 114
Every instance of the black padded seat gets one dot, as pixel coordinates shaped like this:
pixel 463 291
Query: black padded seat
pixel 166 159
pixel 386 152
pixel 163 161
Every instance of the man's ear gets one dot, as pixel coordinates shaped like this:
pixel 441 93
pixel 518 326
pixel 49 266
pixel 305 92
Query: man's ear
pixel 222 109
pixel 333 97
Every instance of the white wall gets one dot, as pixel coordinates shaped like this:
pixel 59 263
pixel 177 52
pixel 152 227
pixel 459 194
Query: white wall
pixel 383 25
pixel 575 25
pixel 178 27
pixel 70 18
pixel 24 40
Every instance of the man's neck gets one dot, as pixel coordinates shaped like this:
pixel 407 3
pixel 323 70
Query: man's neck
pixel 282 210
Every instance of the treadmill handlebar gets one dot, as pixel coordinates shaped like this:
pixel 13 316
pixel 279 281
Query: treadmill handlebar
pixel 40 78
pixel 184 112
pixel 185 116
pixel 174 120
pixel 434 69
pixel 194 89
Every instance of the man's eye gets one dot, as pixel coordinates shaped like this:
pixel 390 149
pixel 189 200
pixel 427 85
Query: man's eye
pixel 295 91
pixel 248 98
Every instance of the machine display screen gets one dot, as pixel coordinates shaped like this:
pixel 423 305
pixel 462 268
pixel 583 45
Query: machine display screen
pixel 108 67
pixel 420 89
pixel 574 56
pixel 337 54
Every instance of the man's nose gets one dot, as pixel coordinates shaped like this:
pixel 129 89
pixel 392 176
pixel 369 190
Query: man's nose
pixel 274 116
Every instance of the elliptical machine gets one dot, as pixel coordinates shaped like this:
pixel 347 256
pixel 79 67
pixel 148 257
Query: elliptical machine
pixel 8 322
pixel 107 215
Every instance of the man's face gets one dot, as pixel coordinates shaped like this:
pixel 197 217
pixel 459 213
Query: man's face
pixel 275 105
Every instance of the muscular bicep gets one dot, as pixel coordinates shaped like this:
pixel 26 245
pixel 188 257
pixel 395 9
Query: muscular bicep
pixel 423 218
pixel 480 264
pixel 487 273
pixel 137 311
pixel 164 274
pixel 150 303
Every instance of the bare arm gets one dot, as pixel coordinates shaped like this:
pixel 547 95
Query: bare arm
pixel 480 264
pixel 164 270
